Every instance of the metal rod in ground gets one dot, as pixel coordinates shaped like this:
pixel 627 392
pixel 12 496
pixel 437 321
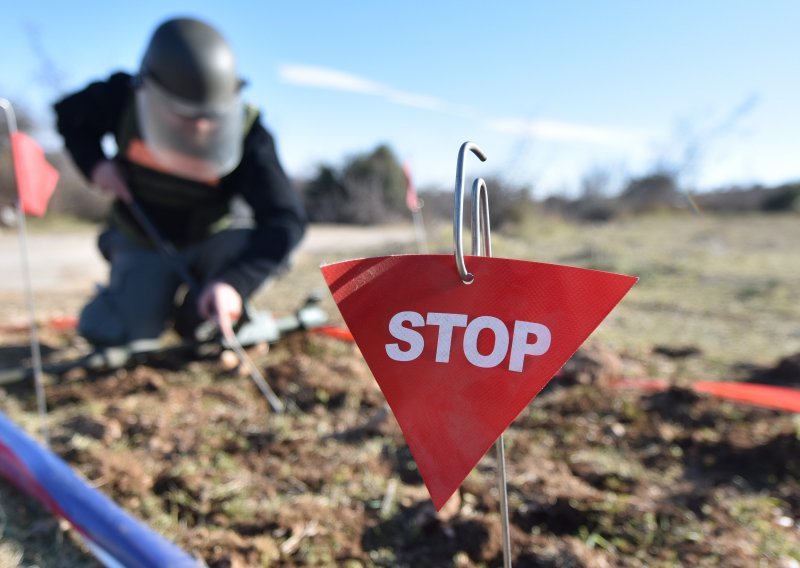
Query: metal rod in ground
pixel 255 374
pixel 482 245
pixel 501 471
pixel 169 252
pixel 419 231
pixel 36 353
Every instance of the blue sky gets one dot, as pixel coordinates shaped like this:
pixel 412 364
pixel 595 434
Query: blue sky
pixel 551 91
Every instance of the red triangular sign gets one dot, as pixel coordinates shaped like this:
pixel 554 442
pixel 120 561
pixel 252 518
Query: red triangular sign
pixel 456 362
pixel 36 178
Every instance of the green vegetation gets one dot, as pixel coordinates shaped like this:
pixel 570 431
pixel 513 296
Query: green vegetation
pixel 724 284
pixel 597 477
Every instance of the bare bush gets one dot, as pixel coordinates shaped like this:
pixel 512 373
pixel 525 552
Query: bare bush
pixel 783 198
pixel 652 192
pixel 369 189
pixel 508 204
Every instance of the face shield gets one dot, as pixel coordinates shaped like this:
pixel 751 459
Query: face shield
pixel 201 142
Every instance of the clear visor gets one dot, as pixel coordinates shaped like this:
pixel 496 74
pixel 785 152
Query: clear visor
pixel 199 142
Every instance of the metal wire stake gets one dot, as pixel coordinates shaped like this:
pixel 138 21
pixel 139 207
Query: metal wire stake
pixel 255 374
pixel 168 251
pixel 458 210
pixel 482 246
pixel 36 353
pixel 502 487
pixel 419 231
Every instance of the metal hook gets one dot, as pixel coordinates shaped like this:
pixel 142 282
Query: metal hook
pixel 481 229
pixel 11 119
pixel 482 246
pixel 458 210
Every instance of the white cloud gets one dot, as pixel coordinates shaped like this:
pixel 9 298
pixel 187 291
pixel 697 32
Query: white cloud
pixel 552 130
pixel 416 101
pixel 326 78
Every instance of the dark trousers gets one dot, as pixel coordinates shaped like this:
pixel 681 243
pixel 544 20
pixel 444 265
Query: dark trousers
pixel 142 297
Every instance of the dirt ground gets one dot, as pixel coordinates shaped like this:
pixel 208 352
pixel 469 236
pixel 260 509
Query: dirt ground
pixel 600 473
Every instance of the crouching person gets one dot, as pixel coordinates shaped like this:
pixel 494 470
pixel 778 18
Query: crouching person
pixel 190 154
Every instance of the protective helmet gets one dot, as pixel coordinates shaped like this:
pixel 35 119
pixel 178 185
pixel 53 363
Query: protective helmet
pixel 188 100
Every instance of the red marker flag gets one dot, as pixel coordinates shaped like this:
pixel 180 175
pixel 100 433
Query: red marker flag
pixel 36 178
pixel 412 201
pixel 457 363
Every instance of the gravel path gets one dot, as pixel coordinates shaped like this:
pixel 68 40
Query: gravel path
pixel 70 261
pixel 66 267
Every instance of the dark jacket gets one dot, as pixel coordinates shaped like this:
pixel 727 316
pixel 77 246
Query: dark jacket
pixel 102 108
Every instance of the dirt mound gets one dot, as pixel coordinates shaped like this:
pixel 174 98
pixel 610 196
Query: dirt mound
pixel 597 476
pixel 785 373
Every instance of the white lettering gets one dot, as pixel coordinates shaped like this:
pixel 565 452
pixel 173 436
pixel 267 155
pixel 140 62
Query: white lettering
pixel 446 323
pixel 401 324
pixel 500 348
pixel 414 339
pixel 520 346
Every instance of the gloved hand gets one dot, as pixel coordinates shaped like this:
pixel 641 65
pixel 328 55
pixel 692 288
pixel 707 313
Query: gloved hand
pixel 107 176
pixel 220 301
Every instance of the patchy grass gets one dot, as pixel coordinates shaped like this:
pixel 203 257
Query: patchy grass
pixel 726 285
pixel 597 476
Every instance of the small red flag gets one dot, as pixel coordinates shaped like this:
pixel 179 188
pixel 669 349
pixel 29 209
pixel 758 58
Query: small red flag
pixel 457 363
pixel 412 202
pixel 767 396
pixel 36 178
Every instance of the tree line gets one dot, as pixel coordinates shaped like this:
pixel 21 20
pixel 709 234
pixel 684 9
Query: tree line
pixel 370 188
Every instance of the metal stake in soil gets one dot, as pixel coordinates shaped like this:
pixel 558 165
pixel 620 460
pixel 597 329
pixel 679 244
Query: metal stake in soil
pixel 255 374
pixel 36 353
pixel 481 246
pixel 168 251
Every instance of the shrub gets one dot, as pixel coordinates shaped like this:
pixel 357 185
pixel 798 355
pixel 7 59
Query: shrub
pixel 369 189
pixel 784 198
